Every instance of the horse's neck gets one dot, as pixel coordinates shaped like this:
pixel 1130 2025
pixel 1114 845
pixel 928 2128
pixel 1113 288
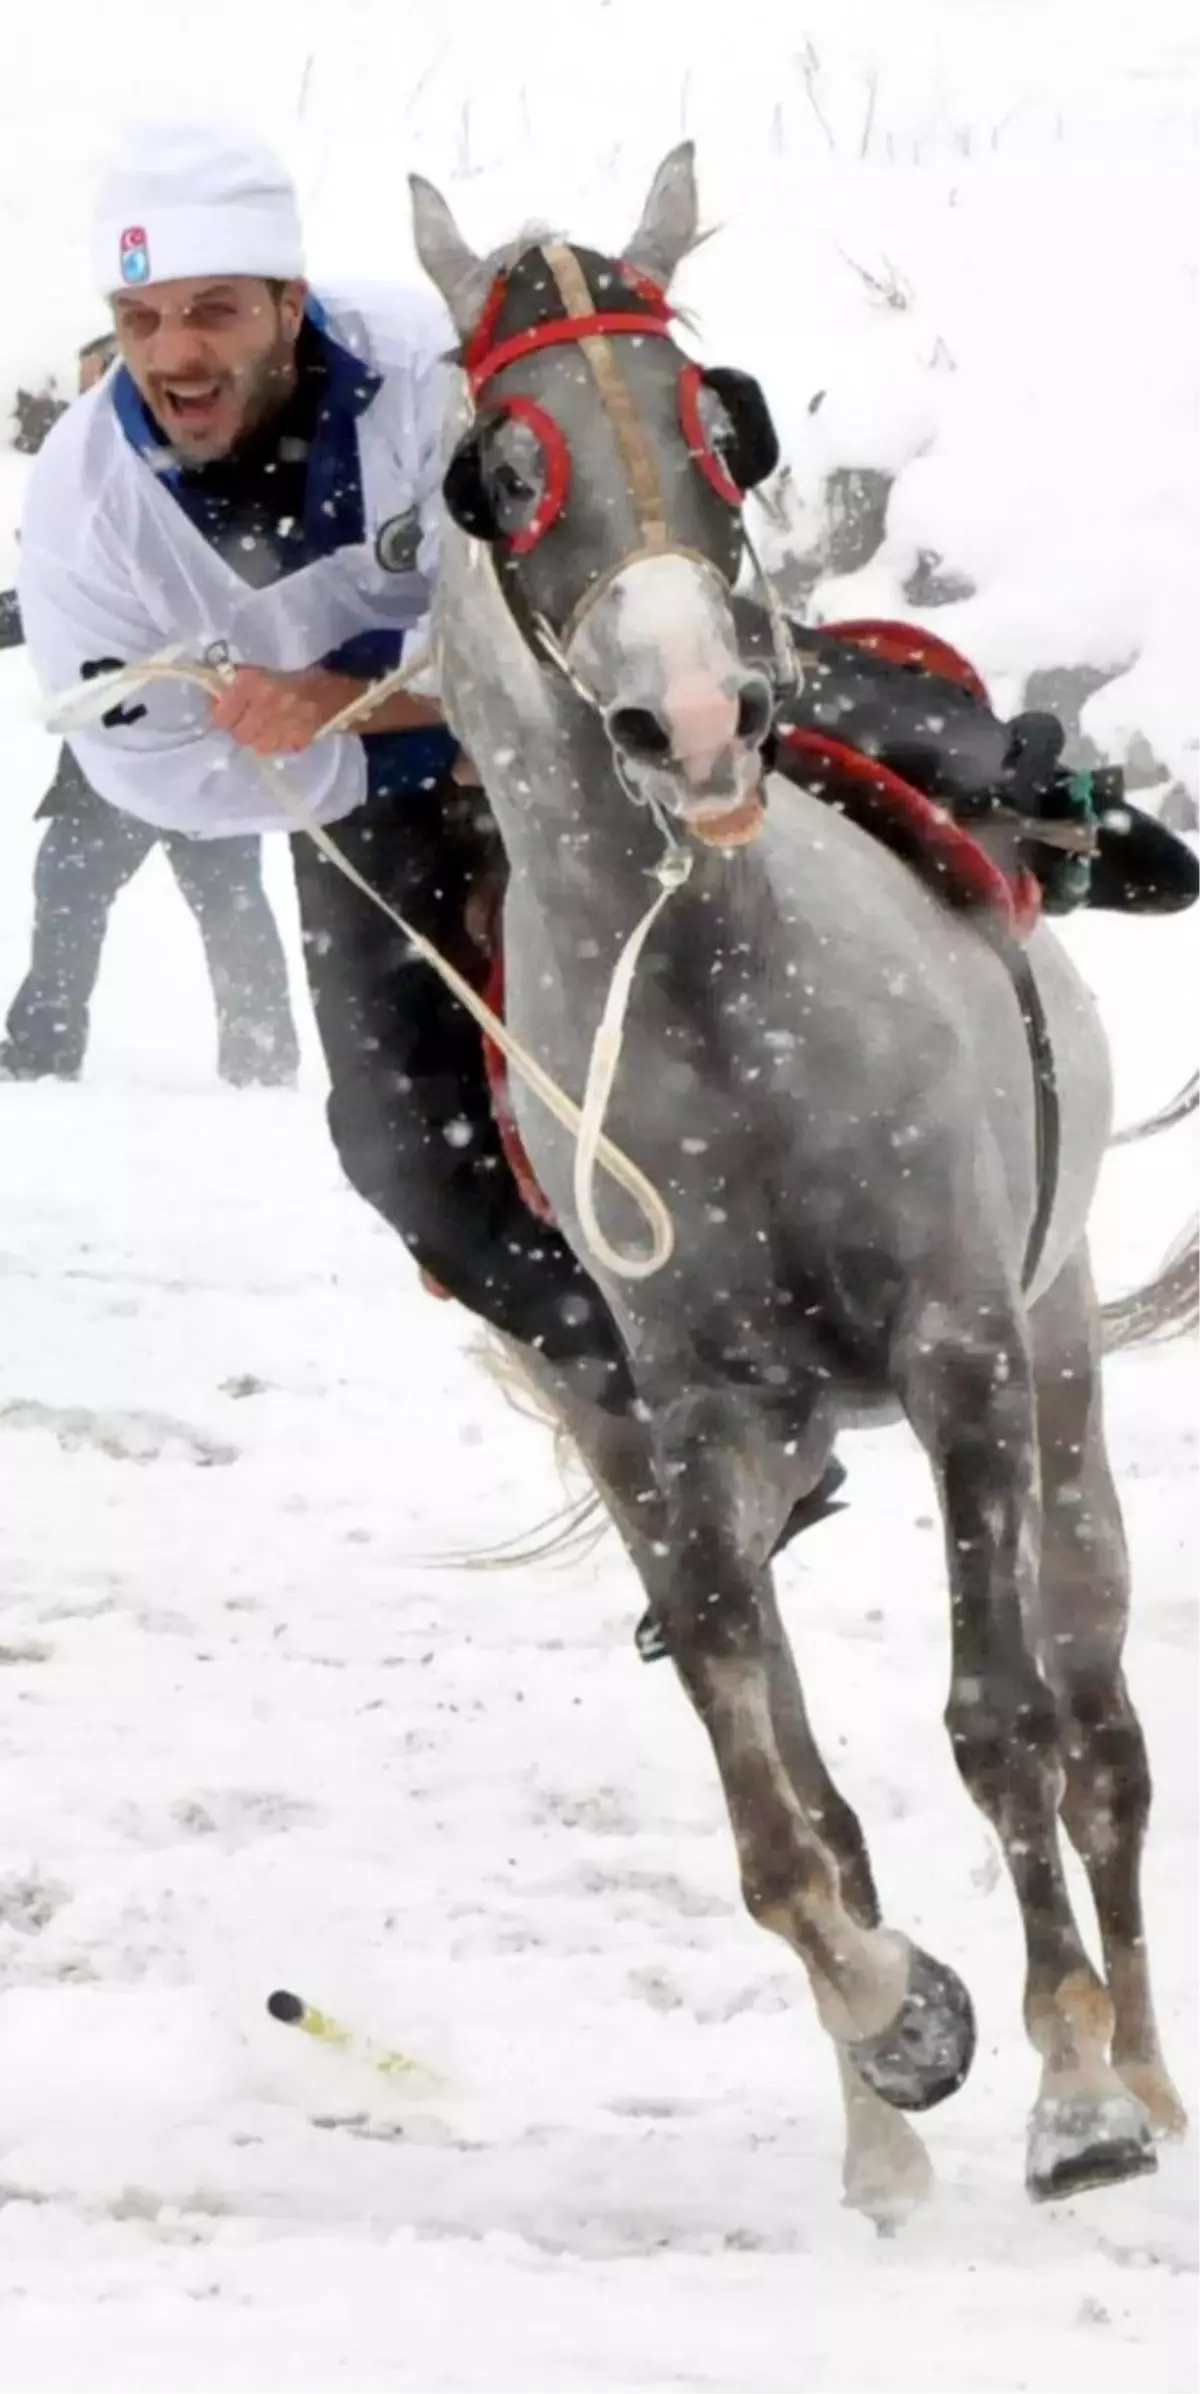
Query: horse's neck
pixel 574 827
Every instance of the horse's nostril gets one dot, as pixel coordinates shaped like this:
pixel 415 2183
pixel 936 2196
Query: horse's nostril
pixel 639 732
pixel 754 711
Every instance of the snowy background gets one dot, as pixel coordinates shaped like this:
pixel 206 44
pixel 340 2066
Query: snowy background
pixel 255 1732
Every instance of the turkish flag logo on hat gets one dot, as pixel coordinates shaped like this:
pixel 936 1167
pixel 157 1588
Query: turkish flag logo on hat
pixel 135 255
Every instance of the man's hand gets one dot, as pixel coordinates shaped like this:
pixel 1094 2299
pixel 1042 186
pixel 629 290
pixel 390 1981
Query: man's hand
pixel 278 714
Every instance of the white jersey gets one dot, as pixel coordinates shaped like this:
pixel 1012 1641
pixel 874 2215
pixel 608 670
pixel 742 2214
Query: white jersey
pixel 113 569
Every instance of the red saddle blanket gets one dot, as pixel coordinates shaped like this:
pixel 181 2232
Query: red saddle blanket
pixel 941 851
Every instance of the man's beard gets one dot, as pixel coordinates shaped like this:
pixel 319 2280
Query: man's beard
pixel 252 394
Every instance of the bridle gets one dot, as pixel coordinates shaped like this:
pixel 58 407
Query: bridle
pixel 593 329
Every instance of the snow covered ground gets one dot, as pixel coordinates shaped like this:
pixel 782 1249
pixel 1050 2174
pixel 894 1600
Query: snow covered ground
pixel 254 1737
pixel 256 1732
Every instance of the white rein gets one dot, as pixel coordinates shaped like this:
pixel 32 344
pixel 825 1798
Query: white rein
pixel 593 1151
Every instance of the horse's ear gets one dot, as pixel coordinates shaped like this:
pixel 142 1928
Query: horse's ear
pixel 670 220
pixel 452 267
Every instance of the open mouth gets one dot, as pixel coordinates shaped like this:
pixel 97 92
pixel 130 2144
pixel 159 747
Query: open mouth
pixel 731 822
pixel 191 406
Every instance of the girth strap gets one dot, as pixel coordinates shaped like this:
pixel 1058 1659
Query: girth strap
pixel 1047 1113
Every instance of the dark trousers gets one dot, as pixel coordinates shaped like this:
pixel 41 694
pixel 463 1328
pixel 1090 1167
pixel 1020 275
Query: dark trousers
pixel 88 853
pixel 408 1107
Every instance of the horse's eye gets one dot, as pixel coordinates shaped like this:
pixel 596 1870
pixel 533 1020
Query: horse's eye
pixel 717 422
pixel 510 484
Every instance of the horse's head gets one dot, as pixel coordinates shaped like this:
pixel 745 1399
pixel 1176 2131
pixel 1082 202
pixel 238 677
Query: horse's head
pixel 608 471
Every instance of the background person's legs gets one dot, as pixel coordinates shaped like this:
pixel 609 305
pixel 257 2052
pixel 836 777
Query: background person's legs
pixel 88 853
pixel 222 883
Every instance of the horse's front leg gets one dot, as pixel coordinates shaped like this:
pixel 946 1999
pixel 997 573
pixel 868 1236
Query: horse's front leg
pixel 965 1376
pixel 886 2171
pixel 903 2020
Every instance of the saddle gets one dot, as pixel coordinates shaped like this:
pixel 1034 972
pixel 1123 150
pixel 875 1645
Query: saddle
pixel 913 708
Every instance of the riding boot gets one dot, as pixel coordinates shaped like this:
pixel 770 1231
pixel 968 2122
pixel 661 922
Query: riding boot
pixel 1138 865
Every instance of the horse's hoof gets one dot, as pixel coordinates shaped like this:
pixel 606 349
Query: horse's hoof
pixel 924 2054
pixel 1077 2143
pixel 889 2186
pixel 1150 2086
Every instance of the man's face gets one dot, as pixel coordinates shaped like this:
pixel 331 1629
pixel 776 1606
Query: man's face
pixel 213 357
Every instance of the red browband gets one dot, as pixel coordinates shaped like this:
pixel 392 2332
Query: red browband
pixel 549 336
pixel 481 361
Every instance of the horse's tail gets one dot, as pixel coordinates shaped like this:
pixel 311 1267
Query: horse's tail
pixel 571 1533
pixel 1167 1306
pixel 1175 1110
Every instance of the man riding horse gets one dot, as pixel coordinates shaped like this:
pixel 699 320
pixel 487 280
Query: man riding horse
pixel 258 483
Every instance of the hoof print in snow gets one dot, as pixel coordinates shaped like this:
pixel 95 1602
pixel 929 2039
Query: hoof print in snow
pixel 656 1988
pixel 240 1816
pixel 28 1902
pixel 126 1437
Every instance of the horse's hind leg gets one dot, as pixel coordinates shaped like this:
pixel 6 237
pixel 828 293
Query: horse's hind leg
pixel 1084 1613
pixel 966 1375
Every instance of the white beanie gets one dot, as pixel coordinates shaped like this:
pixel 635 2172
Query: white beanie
pixel 184 198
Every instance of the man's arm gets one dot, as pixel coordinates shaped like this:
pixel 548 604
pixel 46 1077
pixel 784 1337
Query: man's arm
pixel 280 714
pixel 157 754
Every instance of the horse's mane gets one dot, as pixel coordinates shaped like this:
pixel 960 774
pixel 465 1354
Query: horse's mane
pixel 530 235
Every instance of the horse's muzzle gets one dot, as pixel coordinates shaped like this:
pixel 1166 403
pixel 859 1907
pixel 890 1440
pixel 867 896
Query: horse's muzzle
pixel 698 726
pixel 697 753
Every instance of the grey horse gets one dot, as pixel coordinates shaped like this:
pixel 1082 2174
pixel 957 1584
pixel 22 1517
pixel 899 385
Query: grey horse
pixel 826 1075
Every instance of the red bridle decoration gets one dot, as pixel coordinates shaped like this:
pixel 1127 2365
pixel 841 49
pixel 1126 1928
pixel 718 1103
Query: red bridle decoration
pixel 558 470
pixel 484 357
pixel 700 448
pixel 483 363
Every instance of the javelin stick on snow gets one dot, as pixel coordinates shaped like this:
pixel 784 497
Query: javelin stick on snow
pixel 295 2013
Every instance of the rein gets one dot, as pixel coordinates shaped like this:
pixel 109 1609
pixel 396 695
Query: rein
pixel 594 1152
